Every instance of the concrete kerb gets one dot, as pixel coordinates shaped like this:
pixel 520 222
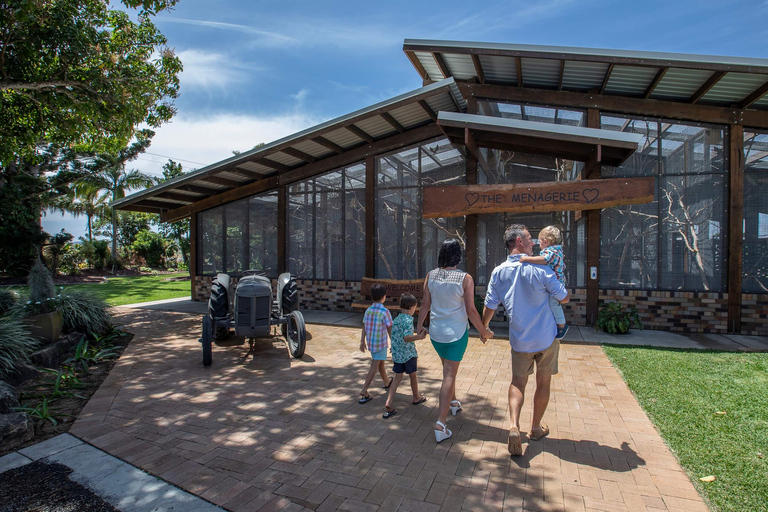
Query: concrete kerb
pixel 125 487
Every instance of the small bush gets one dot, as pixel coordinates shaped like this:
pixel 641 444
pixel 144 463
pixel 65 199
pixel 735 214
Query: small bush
pixel 16 344
pixel 84 312
pixel 150 246
pixel 41 285
pixel 8 298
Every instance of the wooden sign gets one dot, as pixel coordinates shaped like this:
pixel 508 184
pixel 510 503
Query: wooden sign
pixel 458 200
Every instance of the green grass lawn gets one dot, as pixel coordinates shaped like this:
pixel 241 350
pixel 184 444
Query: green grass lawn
pixel 683 391
pixel 118 291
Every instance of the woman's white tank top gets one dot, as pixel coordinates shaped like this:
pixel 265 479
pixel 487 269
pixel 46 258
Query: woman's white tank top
pixel 448 316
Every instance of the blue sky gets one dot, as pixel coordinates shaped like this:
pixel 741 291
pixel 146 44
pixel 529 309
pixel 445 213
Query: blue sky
pixel 256 72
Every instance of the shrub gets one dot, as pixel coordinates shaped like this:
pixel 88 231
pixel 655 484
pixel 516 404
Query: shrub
pixel 84 312
pixel 150 246
pixel 41 285
pixel 16 344
pixel 71 259
pixel 101 253
pixel 8 298
pixel 614 319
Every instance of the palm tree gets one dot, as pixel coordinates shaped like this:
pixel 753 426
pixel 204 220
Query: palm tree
pixel 109 178
pixel 83 201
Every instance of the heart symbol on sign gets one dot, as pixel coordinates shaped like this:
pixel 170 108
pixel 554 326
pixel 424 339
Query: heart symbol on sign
pixel 472 198
pixel 590 194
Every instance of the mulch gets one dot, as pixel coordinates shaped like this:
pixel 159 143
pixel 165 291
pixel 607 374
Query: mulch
pixel 46 487
pixel 85 277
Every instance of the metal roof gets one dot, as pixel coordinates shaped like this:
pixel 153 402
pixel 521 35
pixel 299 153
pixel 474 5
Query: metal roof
pixel 705 79
pixel 533 137
pixel 376 122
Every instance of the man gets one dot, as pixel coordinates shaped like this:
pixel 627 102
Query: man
pixel 524 289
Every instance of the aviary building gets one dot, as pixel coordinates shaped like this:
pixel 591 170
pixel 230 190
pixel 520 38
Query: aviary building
pixel 655 165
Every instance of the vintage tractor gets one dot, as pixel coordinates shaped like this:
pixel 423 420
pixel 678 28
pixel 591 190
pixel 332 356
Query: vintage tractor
pixel 255 312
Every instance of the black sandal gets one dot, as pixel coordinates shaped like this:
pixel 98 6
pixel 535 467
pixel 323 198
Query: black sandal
pixel 421 401
pixel 364 399
pixel 389 414
pixel 391 380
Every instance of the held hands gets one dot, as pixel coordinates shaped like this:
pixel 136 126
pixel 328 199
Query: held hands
pixel 485 335
pixel 422 333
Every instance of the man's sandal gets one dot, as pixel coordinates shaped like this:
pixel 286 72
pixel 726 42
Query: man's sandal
pixel 542 431
pixel 514 444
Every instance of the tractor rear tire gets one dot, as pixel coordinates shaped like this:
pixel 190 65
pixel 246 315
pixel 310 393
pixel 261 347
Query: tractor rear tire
pixel 290 301
pixel 207 341
pixel 296 334
pixel 218 307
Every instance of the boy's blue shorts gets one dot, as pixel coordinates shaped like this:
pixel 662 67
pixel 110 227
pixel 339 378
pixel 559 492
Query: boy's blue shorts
pixel 408 367
pixel 381 355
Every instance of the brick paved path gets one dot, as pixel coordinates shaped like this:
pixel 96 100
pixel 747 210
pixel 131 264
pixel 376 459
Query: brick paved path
pixel 270 433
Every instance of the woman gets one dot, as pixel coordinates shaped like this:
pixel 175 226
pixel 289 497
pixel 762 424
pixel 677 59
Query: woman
pixel 449 297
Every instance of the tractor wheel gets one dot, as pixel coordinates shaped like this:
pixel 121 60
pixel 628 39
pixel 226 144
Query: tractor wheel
pixel 296 334
pixel 218 307
pixel 207 341
pixel 290 301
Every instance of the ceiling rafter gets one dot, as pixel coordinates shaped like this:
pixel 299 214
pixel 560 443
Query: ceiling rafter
pixel 328 144
pixel 478 68
pixel 176 197
pixel 655 82
pixel 606 78
pixel 197 189
pixel 709 84
pixel 246 172
pixel 431 113
pixel 417 64
pixel 360 133
pixel 754 96
pixel 562 74
pixel 519 67
pixel 299 154
pixel 217 180
pixel 392 122
pixel 266 162
pixel 440 61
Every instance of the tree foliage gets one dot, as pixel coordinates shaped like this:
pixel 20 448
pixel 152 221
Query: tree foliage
pixel 78 74
pixel 177 231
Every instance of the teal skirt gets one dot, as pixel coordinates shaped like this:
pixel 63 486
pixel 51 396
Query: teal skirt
pixel 453 351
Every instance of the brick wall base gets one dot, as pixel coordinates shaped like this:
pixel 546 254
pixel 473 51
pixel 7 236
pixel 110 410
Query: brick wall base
pixel 691 312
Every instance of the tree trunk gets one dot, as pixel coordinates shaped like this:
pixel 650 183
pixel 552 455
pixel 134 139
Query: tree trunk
pixel 114 239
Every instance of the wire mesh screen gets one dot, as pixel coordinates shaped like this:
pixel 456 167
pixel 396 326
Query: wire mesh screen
pixel 677 241
pixel 508 167
pixel 211 247
pixel 407 245
pixel 262 233
pixel 236 215
pixel 326 225
pixel 755 245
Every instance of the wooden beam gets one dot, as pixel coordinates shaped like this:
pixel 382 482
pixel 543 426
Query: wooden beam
pixel 472 220
pixel 735 225
pixel 710 83
pixel 360 133
pixel 328 144
pixel 153 204
pixel 619 104
pixel 519 68
pixel 370 216
pixel 472 149
pixel 460 200
pixel 266 162
pixel 197 189
pixel 221 181
pixel 431 113
pixel 605 79
pixel 392 122
pixel 193 254
pixel 592 219
pixel 562 74
pixel 247 173
pixel 176 197
pixel 655 82
pixel 442 65
pixel 417 64
pixel 219 199
pixel 299 154
pixel 478 68
pixel 282 230
pixel 754 96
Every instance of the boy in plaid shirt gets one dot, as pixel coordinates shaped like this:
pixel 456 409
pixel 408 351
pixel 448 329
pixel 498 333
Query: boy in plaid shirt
pixel 377 328
pixel 551 254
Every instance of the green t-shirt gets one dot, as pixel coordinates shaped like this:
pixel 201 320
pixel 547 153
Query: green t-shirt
pixel 402 350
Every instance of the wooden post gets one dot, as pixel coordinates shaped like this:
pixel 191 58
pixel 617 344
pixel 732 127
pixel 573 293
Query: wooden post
pixel 282 226
pixel 471 220
pixel 735 225
pixel 592 171
pixel 370 216
pixel 192 254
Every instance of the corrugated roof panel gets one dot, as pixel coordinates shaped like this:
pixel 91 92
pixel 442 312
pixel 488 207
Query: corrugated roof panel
pixel 499 69
pixel 206 184
pixel 343 138
pixel 583 76
pixel 680 84
pixel 761 103
pixel 284 159
pixel 734 87
pixel 376 127
pixel 233 176
pixel 632 80
pixel 460 66
pixel 441 102
pixel 313 148
pixel 410 115
pixel 541 72
pixel 250 166
pixel 429 64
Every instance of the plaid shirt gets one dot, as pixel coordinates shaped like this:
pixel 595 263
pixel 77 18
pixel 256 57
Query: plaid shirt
pixel 375 323
pixel 554 257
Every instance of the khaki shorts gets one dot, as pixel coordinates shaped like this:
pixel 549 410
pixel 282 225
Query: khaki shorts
pixel 546 361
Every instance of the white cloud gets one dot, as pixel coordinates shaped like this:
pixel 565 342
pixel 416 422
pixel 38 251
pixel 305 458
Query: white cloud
pixel 213 138
pixel 209 70
pixel 265 36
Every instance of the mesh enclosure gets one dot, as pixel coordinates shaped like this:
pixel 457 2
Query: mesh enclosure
pixel 211 248
pixel 755 248
pixel 262 239
pixel 677 242
pixel 407 245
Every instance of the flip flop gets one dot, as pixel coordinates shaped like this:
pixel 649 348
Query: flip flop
pixel 389 414
pixel 364 398
pixel 391 380
pixel 423 399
